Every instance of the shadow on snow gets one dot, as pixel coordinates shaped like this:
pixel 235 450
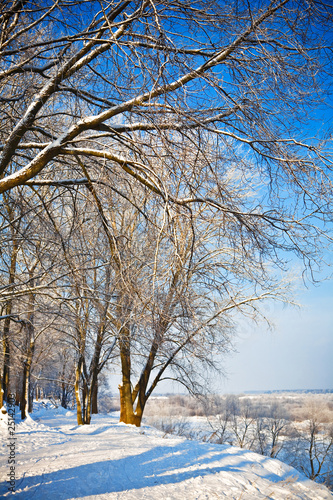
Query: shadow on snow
pixel 159 466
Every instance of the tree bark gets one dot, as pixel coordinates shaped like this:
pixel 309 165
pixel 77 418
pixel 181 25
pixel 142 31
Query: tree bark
pixel 5 389
pixel 127 414
pixel 87 413
pixel 26 396
pixel 94 370
pixel 94 399
pixel 24 393
pixel 77 392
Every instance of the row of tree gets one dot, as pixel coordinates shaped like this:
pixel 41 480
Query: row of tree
pixel 159 159
pixel 155 297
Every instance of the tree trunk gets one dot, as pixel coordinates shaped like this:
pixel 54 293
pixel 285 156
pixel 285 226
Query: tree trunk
pixel 94 405
pixel 5 390
pixel 27 400
pixel 87 412
pixel 64 387
pixel 26 396
pixel 127 414
pixel 31 396
pixel 83 396
pixel 138 396
pixel 63 395
pixel 94 366
pixel 77 392
pixel 18 393
pixel 24 393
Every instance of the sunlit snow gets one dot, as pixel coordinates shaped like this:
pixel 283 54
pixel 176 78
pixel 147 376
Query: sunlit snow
pixel 57 459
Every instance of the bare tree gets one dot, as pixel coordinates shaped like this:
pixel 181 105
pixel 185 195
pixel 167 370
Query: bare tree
pixel 83 295
pixel 123 79
pixel 221 412
pixel 318 442
pixel 277 423
pixel 242 425
pixel 176 288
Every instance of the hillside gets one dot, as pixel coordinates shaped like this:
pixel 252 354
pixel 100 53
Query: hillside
pixel 56 459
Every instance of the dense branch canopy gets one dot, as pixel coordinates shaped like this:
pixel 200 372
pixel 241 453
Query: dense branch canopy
pixel 173 96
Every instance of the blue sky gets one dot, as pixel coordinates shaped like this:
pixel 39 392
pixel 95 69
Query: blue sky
pixel 296 354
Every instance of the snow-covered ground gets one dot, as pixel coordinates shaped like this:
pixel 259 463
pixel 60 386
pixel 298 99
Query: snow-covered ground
pixel 56 459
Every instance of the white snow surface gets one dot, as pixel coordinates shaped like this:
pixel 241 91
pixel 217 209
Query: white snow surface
pixel 57 459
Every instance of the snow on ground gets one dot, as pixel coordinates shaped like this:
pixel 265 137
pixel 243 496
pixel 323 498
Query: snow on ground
pixel 57 459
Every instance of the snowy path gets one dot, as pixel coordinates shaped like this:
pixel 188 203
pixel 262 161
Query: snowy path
pixel 56 459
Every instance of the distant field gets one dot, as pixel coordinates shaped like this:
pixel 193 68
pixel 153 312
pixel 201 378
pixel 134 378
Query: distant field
pixel 295 427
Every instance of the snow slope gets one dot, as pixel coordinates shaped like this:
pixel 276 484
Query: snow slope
pixel 56 459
